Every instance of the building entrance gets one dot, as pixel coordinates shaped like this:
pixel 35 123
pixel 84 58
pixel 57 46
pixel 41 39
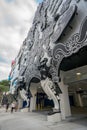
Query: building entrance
pixel 76 80
pixel 39 100
pixel 42 102
pixel 78 97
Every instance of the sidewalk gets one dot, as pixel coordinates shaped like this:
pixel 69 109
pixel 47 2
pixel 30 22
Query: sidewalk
pixel 38 121
pixel 3 109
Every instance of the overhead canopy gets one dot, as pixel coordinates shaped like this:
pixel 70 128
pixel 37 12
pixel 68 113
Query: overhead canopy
pixel 74 61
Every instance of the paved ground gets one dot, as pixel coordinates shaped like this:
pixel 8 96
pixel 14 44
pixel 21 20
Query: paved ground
pixel 37 121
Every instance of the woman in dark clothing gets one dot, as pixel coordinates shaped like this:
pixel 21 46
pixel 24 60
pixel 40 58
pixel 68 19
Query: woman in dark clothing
pixel 5 101
pixel 7 106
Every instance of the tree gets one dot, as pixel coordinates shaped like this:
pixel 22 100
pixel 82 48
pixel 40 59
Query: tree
pixel 4 87
pixel 4 83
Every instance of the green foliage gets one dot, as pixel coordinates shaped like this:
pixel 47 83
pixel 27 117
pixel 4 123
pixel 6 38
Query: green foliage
pixel 4 86
pixel 4 82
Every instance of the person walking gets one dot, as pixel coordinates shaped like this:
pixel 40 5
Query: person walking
pixel 12 106
pixel 7 106
pixel 5 101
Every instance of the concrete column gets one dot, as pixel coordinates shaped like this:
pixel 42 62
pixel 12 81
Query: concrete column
pixel 33 90
pixel 80 100
pixel 20 103
pixel 32 103
pixel 64 100
pixel 76 99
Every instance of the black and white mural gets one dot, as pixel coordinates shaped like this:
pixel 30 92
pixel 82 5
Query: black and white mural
pixel 59 30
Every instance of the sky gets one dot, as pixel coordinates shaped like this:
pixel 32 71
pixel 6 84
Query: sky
pixel 16 18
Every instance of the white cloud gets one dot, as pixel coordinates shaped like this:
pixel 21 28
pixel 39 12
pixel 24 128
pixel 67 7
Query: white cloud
pixel 15 20
pixel 4 69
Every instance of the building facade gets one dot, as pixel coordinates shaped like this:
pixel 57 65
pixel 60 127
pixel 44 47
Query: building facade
pixel 56 43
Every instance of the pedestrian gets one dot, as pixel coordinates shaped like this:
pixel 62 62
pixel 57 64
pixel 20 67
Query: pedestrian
pixel 12 107
pixel 5 101
pixel 7 106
